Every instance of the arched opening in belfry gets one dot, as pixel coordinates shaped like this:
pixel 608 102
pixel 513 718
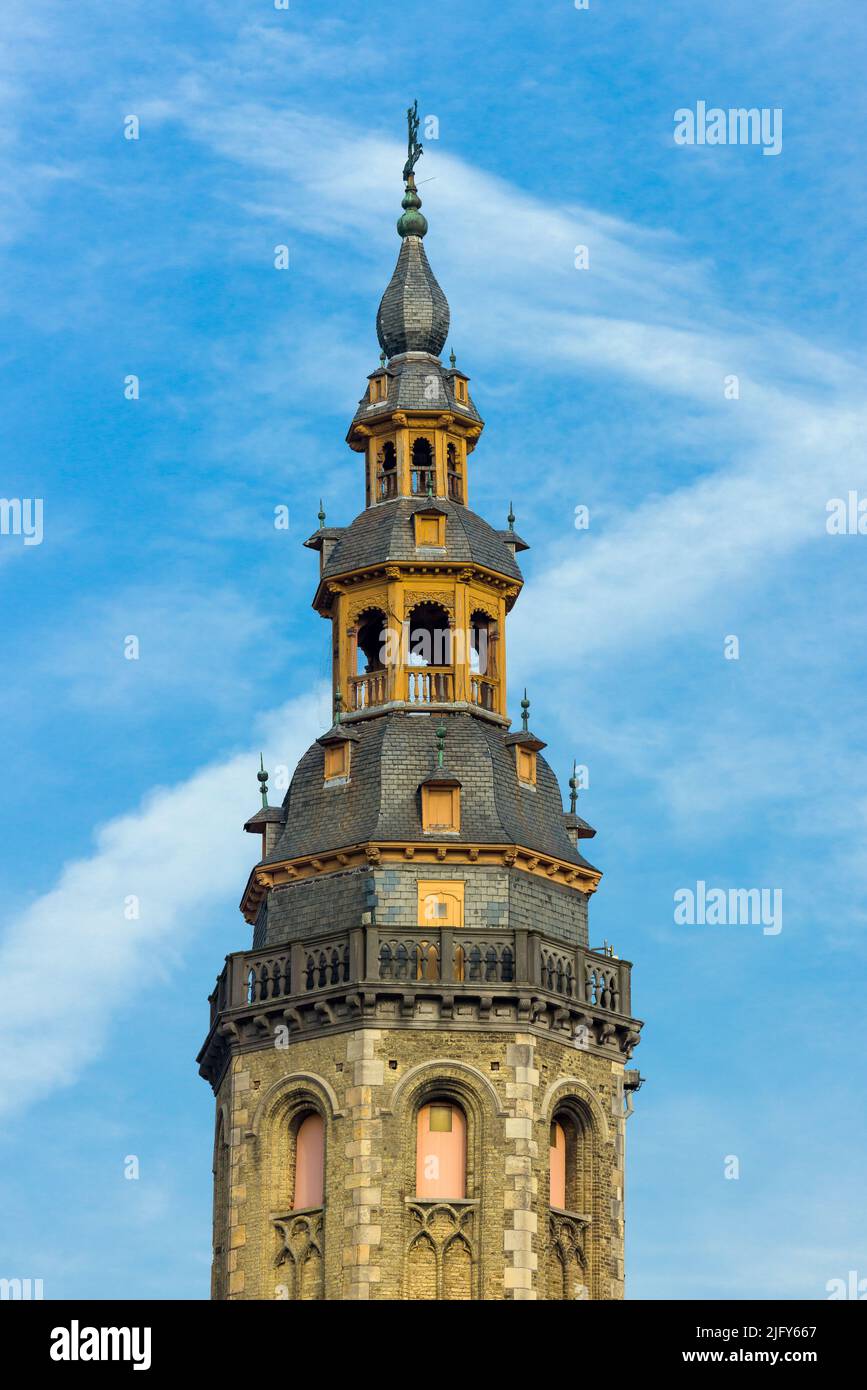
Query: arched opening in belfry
pixel 369 684
pixel 453 473
pixel 429 636
pixel 483 658
pixel 370 642
pixel 422 479
pixel 483 631
pixel 386 471
pixel 428 655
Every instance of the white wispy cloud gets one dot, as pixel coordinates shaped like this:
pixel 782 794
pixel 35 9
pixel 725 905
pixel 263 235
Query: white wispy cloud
pixel 70 960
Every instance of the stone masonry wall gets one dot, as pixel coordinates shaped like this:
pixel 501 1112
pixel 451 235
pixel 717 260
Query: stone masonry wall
pixel 369 1084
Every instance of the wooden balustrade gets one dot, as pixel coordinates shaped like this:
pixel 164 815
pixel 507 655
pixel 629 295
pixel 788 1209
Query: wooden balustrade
pixel 387 485
pixel 367 690
pixel 427 685
pixel 423 685
pixel 483 692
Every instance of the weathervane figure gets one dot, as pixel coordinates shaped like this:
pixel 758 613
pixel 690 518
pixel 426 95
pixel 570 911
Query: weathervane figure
pixel 414 149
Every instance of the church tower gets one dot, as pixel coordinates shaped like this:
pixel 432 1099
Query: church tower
pixel 420 1066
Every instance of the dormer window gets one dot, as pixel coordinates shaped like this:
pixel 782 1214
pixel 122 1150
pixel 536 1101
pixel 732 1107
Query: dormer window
pixel 378 389
pixel 337 753
pixel 430 529
pixel 461 390
pixel 526 761
pixel 440 808
pixel 527 748
pixel 337 762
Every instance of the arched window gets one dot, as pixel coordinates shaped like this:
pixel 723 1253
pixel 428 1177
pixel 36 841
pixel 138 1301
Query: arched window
pixel 309 1163
pixel 571 1160
pixel 558 1166
pixel 422 477
pixel 441 1152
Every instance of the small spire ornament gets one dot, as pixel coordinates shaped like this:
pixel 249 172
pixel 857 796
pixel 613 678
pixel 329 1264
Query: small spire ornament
pixel 452 359
pixel 338 706
pixel 573 787
pixel 262 778
pixel 441 742
pixel 321 514
pixel 525 712
pixel 511 518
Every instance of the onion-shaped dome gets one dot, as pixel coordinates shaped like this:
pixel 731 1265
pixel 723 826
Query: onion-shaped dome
pixel 413 315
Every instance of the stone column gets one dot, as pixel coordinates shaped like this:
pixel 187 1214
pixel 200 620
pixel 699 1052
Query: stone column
pixel 236 1234
pixel 521 1184
pixel 363 1173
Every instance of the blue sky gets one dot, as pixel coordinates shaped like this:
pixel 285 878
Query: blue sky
pixel 601 387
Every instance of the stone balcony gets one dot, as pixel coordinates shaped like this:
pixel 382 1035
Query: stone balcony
pixel 395 976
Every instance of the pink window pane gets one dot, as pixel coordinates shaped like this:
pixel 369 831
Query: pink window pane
pixel 310 1163
pixel 441 1152
pixel 558 1166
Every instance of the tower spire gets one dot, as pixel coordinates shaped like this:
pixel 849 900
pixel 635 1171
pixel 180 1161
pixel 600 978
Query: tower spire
pixel 414 313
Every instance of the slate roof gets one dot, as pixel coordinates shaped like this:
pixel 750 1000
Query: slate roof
pixel 417 381
pixel 394 755
pixel 386 532
pixel 413 314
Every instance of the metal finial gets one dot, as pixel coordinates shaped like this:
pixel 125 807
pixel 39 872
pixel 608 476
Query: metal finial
pixel 573 787
pixel 441 742
pixel 429 487
pixel 338 705
pixel 414 150
pixel 412 222
pixel 262 778
pixel 511 518
pixel 525 711
pixel 321 513
pixel 452 359
pixel 382 358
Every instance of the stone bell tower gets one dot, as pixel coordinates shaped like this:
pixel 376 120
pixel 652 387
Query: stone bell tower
pixel 420 1065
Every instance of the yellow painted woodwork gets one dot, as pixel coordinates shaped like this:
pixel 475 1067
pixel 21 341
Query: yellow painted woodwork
pixel 440 808
pixel 440 903
pixel 526 760
pixel 430 529
pixel 336 761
